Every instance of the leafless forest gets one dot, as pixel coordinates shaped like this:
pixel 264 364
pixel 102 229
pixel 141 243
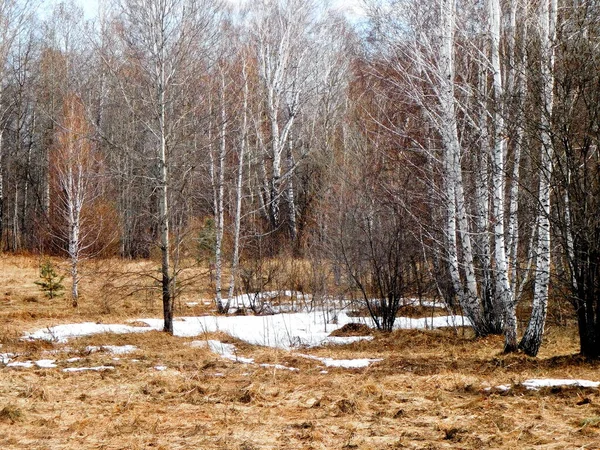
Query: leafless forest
pixel 434 149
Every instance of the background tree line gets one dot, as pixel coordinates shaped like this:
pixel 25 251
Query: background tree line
pixel 435 149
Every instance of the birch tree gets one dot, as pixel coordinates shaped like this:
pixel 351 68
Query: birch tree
pixel 76 183
pixel 532 338
pixel 160 37
pixel 281 46
pixel 456 213
pixel 502 287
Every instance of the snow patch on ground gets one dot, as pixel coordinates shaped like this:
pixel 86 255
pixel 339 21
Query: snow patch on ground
pixel 24 364
pixel 6 357
pixel 535 384
pixel 62 333
pixel 280 367
pixel 85 369
pixel 290 330
pixel 46 363
pixel 114 349
pixel 42 364
pixel 344 363
pixel 228 351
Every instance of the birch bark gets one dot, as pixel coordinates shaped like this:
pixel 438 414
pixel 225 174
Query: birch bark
pixel 239 189
pixel 456 213
pixel 502 287
pixel 532 339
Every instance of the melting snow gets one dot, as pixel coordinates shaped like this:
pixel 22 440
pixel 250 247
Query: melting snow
pixel 61 333
pixel 84 369
pixel 42 363
pixel 114 349
pixel 45 363
pixel 228 351
pixel 25 364
pixel 280 367
pixel 160 368
pixel 345 363
pixel 6 357
pixel 285 331
pixel 535 384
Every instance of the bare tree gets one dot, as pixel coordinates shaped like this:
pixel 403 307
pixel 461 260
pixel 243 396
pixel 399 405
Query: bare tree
pixel 76 173
pixel 161 38
pixel 532 339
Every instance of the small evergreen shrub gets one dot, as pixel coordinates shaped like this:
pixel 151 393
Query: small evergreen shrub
pixel 51 283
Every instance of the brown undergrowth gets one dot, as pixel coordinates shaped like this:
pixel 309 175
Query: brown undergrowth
pixel 432 389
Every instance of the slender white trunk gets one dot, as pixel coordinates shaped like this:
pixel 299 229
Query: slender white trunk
pixel 219 209
pixel 518 86
pixel 290 193
pixel 532 338
pixel 491 310
pixel 456 217
pixel 163 199
pixel 503 291
pixel 239 192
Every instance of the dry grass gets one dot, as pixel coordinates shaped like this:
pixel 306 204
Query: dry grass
pixel 427 393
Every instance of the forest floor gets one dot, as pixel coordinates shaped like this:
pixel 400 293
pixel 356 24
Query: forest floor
pixel 432 388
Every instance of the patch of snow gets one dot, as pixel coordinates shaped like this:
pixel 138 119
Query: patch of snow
pixel 70 360
pixel 227 351
pixel 323 372
pixel 535 384
pixel 84 369
pixel 285 331
pixel 114 349
pixel 280 367
pixel 24 364
pixel 344 363
pixel 61 333
pixel 191 304
pixel 6 357
pixel 45 363
pixel 160 368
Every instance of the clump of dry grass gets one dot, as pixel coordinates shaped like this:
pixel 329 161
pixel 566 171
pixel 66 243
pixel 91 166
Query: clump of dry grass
pixel 11 413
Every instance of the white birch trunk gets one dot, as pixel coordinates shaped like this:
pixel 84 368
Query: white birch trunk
pixel 219 209
pixel 163 182
pixel 456 219
pixel 503 290
pixel 491 311
pixel 532 339
pixel 518 86
pixel 239 192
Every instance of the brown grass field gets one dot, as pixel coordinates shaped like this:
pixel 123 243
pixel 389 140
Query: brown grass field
pixel 427 393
